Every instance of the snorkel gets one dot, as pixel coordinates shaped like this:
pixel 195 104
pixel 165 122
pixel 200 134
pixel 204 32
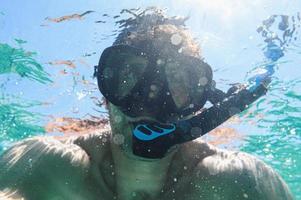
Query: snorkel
pixel 153 139
pixel 238 100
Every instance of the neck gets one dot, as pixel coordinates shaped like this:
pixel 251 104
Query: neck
pixel 139 178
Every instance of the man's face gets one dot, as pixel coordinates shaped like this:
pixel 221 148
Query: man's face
pixel 122 128
pixel 122 133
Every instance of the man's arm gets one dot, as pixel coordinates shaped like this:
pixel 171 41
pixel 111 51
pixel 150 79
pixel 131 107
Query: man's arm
pixel 41 168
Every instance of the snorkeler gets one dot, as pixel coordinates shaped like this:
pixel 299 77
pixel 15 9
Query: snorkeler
pixel 155 84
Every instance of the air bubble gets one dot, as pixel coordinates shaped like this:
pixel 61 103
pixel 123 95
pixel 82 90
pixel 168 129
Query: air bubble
pixel 153 87
pixel 196 132
pixel 118 139
pixel 160 62
pixel 117 119
pixel 176 39
pixel 203 81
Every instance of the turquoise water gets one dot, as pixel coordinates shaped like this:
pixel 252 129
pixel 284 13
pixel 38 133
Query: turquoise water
pixel 48 50
pixel 276 138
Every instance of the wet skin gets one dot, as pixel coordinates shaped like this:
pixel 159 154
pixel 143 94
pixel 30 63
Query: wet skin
pixel 101 166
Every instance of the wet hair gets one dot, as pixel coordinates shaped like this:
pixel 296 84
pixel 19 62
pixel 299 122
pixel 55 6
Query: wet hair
pixel 152 30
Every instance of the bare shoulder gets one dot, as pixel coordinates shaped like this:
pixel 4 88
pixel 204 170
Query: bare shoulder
pixel 45 163
pixel 40 154
pixel 238 174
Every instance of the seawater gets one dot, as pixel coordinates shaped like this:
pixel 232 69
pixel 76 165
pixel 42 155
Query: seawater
pixel 276 138
pixel 17 122
pixel 272 125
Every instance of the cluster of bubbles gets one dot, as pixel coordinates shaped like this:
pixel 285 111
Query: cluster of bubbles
pixel 285 31
pixel 118 139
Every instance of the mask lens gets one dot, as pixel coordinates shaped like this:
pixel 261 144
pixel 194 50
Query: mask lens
pixel 187 81
pixel 121 67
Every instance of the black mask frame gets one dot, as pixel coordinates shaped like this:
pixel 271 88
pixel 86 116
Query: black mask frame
pixel 137 100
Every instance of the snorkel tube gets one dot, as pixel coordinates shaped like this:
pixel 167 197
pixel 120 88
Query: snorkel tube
pixel 273 53
pixel 153 140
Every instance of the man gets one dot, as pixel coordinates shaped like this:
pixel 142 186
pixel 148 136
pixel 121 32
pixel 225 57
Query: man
pixel 155 85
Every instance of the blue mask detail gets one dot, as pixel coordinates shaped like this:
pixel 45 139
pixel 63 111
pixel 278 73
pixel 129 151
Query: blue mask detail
pixel 147 132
